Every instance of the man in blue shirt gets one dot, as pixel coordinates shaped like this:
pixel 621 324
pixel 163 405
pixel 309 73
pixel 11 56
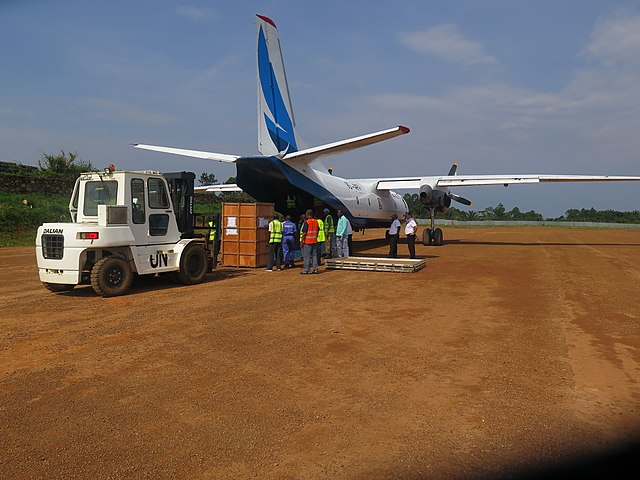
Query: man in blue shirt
pixel 289 230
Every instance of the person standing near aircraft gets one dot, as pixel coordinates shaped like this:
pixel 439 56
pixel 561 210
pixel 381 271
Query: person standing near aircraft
pixel 321 240
pixel 394 236
pixel 330 234
pixel 410 230
pixel 275 243
pixel 342 239
pixel 309 243
pixel 288 241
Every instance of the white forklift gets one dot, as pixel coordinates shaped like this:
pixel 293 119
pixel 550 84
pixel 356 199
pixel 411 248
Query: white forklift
pixel 126 224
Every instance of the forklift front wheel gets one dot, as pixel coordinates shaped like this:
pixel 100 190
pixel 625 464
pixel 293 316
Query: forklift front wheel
pixel 193 265
pixel 111 276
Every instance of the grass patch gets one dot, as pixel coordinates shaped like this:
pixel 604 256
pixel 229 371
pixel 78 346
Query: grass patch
pixel 19 222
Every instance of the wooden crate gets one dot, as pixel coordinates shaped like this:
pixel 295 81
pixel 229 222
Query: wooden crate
pixel 400 265
pixel 245 233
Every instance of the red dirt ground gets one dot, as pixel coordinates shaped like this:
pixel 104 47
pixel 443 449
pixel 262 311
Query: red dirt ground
pixel 515 349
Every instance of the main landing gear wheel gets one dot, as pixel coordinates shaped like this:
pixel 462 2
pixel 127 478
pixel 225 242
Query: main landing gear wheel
pixel 426 237
pixel 58 287
pixel 438 237
pixel 111 277
pixel 193 265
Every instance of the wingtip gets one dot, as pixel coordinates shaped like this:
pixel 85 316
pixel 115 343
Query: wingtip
pixel 404 129
pixel 267 19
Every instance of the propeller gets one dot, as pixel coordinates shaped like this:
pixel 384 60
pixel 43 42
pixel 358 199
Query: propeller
pixel 453 171
pixel 460 199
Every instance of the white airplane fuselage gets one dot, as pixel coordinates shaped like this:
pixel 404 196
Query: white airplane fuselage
pixel 294 188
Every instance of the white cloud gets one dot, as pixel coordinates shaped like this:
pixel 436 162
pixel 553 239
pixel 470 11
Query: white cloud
pixel 615 40
pixel 197 14
pixel 448 42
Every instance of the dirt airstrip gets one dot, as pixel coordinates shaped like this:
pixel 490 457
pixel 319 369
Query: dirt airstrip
pixel 516 350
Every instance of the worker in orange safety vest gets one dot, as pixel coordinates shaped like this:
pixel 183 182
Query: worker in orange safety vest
pixel 310 243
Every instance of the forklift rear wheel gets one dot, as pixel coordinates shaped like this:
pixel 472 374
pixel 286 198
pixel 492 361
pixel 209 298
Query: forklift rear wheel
pixel 111 277
pixel 193 265
pixel 58 287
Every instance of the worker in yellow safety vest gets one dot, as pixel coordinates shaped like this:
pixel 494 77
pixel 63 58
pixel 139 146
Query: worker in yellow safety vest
pixel 330 235
pixel 212 232
pixel 321 239
pixel 275 243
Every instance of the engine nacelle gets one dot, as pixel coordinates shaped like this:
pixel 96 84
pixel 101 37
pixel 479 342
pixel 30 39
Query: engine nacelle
pixel 434 198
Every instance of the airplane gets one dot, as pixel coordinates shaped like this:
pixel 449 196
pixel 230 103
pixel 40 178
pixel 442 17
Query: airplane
pixel 294 180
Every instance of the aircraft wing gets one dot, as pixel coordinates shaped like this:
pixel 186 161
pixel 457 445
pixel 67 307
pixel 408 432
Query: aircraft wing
pixel 401 183
pixel 220 157
pixel 223 187
pixel 311 154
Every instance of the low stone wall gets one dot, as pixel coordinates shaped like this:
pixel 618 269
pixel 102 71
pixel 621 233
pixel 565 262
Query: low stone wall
pixel 26 184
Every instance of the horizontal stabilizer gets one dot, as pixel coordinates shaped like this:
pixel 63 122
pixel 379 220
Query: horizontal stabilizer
pixel 220 157
pixel 311 154
pixel 224 187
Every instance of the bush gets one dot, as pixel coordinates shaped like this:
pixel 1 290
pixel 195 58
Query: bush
pixel 19 221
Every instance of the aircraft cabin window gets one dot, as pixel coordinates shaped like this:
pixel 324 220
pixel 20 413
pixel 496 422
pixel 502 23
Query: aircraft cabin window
pixel 379 204
pixel 357 200
pixel 369 200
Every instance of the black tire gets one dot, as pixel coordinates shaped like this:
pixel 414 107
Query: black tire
pixel 58 287
pixel 111 277
pixel 193 265
pixel 426 237
pixel 438 237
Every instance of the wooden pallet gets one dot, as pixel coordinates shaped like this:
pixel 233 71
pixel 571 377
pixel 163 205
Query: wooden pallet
pixel 401 265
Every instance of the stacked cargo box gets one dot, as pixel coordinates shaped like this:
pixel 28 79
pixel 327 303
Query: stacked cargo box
pixel 245 234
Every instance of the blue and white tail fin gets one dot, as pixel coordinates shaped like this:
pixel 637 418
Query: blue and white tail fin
pixel 276 125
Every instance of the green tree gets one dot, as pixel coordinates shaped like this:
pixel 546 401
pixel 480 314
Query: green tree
pixel 208 179
pixel 64 164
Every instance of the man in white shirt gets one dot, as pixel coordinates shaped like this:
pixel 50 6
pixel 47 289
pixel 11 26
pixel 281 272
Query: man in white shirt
pixel 410 230
pixel 394 236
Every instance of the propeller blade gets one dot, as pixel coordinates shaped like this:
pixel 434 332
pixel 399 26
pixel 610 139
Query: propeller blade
pixel 460 199
pixel 453 169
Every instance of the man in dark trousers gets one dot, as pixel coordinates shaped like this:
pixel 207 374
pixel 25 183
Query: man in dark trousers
pixel 411 230
pixel 394 236
pixel 275 243
pixel 309 241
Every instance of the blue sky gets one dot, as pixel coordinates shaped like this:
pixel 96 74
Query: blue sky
pixel 498 86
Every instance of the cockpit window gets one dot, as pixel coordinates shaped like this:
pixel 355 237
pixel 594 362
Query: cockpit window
pixel 99 193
